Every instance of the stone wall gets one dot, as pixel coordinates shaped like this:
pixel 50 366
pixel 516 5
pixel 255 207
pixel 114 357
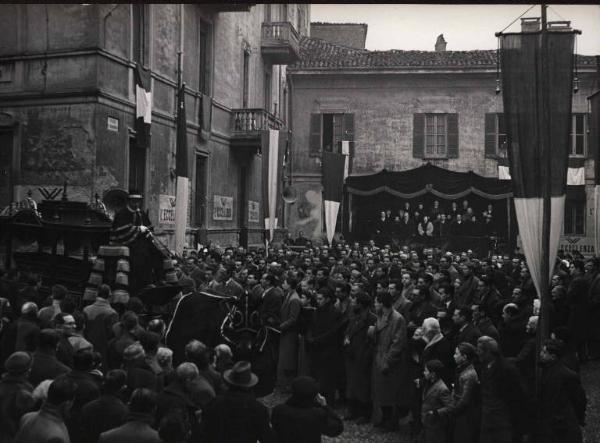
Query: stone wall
pixel 383 106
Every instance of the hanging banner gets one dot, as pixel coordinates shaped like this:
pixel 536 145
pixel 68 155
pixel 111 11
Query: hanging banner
pixel 537 87
pixel 333 186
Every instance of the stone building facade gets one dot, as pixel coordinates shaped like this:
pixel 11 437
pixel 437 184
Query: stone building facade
pixel 67 104
pixel 385 104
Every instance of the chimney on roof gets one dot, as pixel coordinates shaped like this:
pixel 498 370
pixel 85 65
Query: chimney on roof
pixel 440 44
pixel 531 24
pixel 352 35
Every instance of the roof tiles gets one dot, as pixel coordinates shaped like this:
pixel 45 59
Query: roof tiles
pixel 320 54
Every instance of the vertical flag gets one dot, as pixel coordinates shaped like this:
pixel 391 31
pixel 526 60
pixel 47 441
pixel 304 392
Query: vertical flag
pixel 143 105
pixel 273 150
pixel 333 186
pixel 181 171
pixel 346 154
pixel 595 149
pixel 537 79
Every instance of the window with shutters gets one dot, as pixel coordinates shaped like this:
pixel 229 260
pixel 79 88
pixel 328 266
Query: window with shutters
pixel 495 136
pixel 327 131
pixel 574 223
pixel 332 132
pixel 435 135
pixel 578 135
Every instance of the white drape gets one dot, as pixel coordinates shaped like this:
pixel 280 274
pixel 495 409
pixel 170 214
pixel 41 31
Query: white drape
pixel 529 216
pixel 575 176
pixel 272 181
pixel 331 213
pixel 181 212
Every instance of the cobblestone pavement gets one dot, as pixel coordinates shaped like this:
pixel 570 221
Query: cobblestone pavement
pixel 366 433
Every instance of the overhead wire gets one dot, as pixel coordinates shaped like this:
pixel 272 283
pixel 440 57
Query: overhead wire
pixel 515 20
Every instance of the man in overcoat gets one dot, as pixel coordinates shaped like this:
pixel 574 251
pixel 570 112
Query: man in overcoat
pixel 324 340
pixel 562 398
pixel 389 372
pixel 359 358
pixel 288 340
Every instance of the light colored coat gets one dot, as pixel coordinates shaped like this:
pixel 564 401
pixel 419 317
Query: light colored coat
pixel 288 341
pixel 389 372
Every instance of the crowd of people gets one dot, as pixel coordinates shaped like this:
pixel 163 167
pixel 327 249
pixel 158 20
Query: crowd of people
pixel 438 344
pixel 423 224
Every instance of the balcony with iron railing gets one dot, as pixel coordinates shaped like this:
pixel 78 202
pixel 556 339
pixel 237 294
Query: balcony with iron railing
pixel 280 43
pixel 247 125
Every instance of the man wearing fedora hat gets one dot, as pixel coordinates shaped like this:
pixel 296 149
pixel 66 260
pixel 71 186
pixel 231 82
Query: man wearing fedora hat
pixel 131 227
pixel 236 416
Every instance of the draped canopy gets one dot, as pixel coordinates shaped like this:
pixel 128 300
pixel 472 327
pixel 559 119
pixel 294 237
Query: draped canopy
pixel 432 179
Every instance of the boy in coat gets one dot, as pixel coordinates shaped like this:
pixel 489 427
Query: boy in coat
pixel 437 404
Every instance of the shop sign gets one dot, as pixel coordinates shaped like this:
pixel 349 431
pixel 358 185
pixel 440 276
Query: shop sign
pixel 166 211
pixel 222 207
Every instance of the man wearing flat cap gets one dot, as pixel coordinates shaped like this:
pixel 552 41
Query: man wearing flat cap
pixel 15 394
pixel 236 416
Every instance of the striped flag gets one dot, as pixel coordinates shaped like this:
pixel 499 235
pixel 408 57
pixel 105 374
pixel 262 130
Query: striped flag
pixel 182 173
pixel 143 105
pixel 537 91
pixel 273 150
pixel 333 187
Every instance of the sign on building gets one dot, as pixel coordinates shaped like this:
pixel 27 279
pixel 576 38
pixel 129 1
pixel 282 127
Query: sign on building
pixel 222 207
pixel 253 212
pixel 166 211
pixel 583 245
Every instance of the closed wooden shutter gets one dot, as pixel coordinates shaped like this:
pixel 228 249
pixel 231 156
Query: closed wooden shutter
pixel 490 135
pixel 315 135
pixel 418 135
pixel 452 135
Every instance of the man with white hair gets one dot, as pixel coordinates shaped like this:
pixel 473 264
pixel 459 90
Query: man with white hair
pixel 27 329
pixel 439 348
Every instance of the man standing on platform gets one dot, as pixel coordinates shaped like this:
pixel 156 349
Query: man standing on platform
pixel 131 227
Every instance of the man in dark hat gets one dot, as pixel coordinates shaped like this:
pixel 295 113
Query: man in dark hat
pixel 305 416
pixel 15 394
pixel 236 416
pixel 131 227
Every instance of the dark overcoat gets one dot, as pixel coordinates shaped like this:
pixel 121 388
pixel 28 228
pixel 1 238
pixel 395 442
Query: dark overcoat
pixel 563 404
pixel 359 356
pixel 467 405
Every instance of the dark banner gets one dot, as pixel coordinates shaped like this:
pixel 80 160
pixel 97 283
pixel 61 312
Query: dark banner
pixel 333 176
pixel 537 82
pixel 181 160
